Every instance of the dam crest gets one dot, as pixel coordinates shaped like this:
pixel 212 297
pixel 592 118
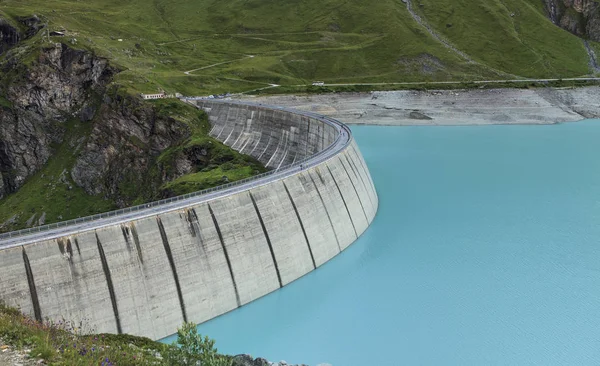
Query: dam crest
pixel 146 269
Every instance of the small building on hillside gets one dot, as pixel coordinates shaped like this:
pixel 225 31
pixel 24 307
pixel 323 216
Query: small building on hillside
pixel 154 96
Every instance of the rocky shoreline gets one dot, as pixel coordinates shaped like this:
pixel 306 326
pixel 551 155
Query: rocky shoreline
pixel 450 107
pixel 247 360
pixel 11 356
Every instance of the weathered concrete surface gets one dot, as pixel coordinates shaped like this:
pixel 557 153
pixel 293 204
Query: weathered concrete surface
pixel 450 107
pixel 148 275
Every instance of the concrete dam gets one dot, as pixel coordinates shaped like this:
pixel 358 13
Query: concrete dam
pixel 147 269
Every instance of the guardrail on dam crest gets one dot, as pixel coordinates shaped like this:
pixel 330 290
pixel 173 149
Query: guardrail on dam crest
pixel 146 269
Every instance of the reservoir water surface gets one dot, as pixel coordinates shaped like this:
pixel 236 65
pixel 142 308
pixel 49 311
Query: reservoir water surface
pixel 485 251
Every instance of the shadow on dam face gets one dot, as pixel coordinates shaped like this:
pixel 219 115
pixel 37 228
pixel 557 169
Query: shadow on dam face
pixel 209 254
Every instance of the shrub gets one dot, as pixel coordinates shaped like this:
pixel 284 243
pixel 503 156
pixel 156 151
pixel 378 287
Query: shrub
pixel 193 350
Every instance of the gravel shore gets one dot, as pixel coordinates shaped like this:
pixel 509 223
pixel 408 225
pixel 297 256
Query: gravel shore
pixel 10 356
pixel 450 107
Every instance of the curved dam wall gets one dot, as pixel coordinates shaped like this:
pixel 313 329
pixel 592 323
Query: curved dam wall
pixel 276 137
pixel 145 273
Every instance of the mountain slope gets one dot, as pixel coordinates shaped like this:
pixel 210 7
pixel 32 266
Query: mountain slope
pixel 238 45
pixel 73 142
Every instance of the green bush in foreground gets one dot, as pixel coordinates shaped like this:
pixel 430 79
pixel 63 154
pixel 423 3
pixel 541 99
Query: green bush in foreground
pixel 191 349
pixel 67 343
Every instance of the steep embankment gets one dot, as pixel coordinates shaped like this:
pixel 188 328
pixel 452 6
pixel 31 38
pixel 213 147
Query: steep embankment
pixel 210 46
pixel 73 142
pixel 580 17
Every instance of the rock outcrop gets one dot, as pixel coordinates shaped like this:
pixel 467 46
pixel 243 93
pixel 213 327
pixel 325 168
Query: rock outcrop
pixel 9 36
pixel 580 17
pixel 119 147
pixel 123 146
pixel 126 137
pixel 42 97
pixel 247 360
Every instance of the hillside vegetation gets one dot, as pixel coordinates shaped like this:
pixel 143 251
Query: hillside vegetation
pixel 241 45
pixel 73 142
pixel 66 343
pixel 51 194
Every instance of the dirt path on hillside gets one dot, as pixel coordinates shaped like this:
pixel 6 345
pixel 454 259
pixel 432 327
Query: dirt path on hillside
pixel 446 43
pixel 433 33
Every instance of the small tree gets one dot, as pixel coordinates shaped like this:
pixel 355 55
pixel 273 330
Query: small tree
pixel 193 350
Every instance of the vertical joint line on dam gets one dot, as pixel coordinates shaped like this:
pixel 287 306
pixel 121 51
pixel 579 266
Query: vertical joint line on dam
pixel 343 200
pixel 77 245
pixel 312 257
pixel 364 168
pixel 192 217
pixel 356 173
pixel 326 211
pixel 109 283
pixel 125 232
pixel 163 235
pixel 70 249
pixel 307 140
pixel 355 190
pixel 32 289
pixel 220 235
pixel 136 241
pixel 262 224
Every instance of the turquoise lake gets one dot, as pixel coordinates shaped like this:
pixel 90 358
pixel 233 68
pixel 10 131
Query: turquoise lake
pixel 485 251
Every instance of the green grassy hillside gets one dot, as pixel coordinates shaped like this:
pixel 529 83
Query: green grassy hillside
pixel 67 343
pixel 240 45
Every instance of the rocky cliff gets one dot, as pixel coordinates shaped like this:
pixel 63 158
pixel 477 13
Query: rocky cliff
pixel 126 139
pixel 67 127
pixel 9 36
pixel 580 17
pixel 41 98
